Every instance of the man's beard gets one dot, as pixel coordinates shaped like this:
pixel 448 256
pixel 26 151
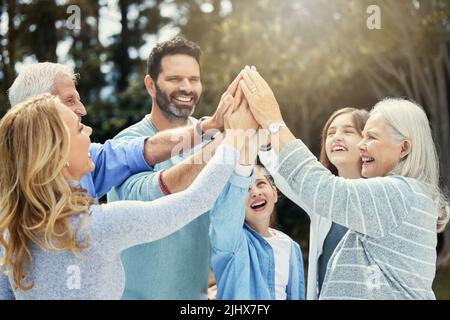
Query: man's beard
pixel 172 110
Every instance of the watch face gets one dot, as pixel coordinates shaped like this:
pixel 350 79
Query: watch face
pixel 273 127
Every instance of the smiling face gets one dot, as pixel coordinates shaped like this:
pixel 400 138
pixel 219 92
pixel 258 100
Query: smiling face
pixel 261 199
pixel 380 153
pixel 79 161
pixel 341 143
pixel 64 88
pixel 178 87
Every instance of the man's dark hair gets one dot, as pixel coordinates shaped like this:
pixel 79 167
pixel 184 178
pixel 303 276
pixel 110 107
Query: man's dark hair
pixel 177 45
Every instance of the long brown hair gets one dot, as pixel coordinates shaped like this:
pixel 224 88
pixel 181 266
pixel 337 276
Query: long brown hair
pixel 36 201
pixel 359 117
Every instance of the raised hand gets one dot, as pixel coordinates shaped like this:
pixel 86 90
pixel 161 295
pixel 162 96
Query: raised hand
pixel 240 125
pixel 226 102
pixel 260 97
pixel 241 118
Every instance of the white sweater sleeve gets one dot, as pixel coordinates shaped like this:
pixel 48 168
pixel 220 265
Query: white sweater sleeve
pixel 119 225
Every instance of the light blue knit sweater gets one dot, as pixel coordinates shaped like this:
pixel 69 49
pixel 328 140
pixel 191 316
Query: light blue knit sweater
pixel 98 273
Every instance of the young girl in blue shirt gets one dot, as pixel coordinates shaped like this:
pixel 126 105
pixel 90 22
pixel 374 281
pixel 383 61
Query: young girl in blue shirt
pixel 251 260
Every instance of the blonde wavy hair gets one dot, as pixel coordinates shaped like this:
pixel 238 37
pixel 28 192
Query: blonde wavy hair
pixel 36 201
pixel 407 120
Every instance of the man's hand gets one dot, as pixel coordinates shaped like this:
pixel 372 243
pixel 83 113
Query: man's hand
pixel 226 101
pixel 216 121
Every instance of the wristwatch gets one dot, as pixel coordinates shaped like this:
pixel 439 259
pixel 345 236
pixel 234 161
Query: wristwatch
pixel 274 127
pixel 198 126
pixel 205 136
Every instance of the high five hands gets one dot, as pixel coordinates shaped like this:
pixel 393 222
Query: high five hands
pixel 260 98
pixel 254 107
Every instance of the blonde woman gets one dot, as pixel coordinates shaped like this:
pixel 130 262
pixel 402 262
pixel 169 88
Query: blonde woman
pixel 54 242
pixel 393 218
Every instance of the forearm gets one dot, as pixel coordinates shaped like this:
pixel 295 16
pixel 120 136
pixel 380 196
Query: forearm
pixel 181 176
pixel 115 161
pixel 281 139
pixel 228 215
pixel 126 223
pixel 348 202
pixel 167 144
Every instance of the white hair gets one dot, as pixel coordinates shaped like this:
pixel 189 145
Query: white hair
pixel 36 79
pixel 407 120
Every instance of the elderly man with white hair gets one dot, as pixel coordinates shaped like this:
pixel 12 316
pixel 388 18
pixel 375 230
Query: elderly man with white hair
pixel 114 161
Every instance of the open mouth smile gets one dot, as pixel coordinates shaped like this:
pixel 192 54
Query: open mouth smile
pixel 259 205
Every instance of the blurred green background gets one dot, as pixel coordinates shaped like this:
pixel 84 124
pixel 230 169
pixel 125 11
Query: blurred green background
pixel 317 55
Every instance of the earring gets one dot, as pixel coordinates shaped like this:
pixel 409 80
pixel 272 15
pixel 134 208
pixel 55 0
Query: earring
pixel 67 164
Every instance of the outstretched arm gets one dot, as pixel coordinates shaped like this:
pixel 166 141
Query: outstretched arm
pixel 115 161
pixel 153 185
pixel 228 214
pixel 122 224
pixel 128 223
pixel 372 207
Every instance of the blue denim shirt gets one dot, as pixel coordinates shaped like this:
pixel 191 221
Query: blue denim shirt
pixel 114 162
pixel 242 260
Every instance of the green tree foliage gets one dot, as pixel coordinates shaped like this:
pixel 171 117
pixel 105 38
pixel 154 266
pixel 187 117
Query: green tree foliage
pixel 28 35
pixel 87 52
pixel 132 36
pixel 129 100
pixel 110 75
pixel 298 55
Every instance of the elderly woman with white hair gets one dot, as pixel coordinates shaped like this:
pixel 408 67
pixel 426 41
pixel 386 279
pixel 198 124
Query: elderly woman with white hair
pixel 393 218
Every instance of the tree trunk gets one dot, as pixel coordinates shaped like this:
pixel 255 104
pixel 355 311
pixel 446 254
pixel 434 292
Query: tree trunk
pixel 11 46
pixel 443 78
pixel 123 60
